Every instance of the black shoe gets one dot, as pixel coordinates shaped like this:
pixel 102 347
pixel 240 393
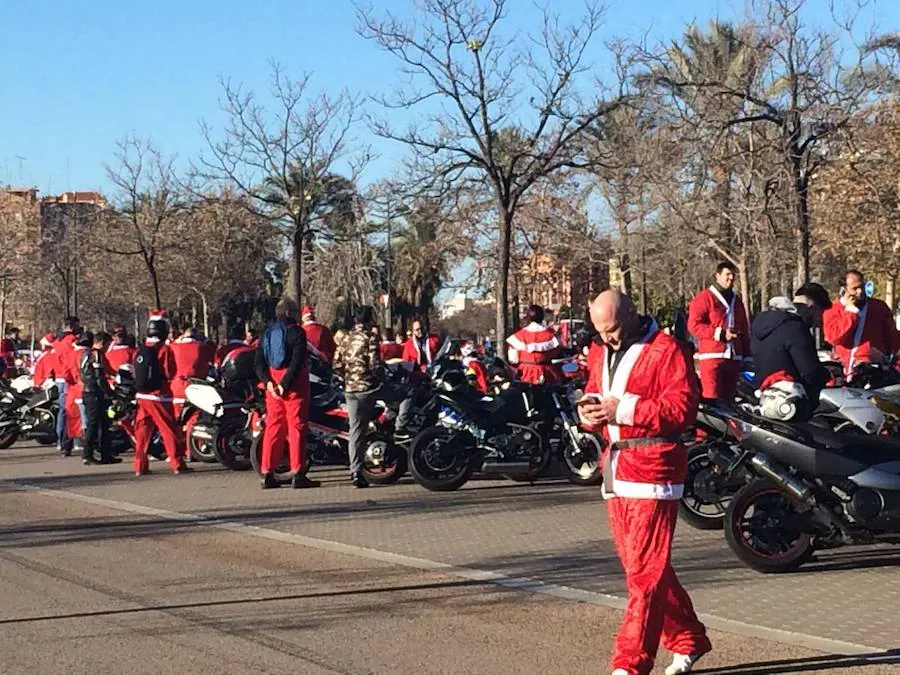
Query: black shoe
pixel 359 480
pixel 111 460
pixel 300 482
pixel 65 453
pixel 269 481
pixel 183 469
pixel 402 435
pixel 86 461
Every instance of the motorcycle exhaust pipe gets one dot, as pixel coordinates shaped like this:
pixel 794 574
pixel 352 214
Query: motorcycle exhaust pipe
pixel 506 467
pixel 765 467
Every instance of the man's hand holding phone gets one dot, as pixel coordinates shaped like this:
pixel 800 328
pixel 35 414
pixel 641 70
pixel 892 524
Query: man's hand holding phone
pixel 595 409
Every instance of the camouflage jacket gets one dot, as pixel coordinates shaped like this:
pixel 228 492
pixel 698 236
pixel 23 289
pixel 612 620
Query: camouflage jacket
pixel 358 361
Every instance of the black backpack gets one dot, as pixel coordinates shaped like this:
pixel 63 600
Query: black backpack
pixel 147 370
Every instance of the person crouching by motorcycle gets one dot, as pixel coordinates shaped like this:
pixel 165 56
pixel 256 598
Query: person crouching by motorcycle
pixel 154 370
pixel 789 375
pixel 282 365
pixel 95 397
pixel 358 361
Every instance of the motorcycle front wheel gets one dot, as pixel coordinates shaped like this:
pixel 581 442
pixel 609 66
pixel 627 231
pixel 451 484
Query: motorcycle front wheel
pixel 9 436
pixel 45 428
pixel 706 493
pixel 231 444
pixel 439 461
pixel 762 528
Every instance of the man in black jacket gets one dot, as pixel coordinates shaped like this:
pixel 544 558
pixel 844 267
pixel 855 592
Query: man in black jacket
pixel 784 350
pixel 287 396
pixel 95 397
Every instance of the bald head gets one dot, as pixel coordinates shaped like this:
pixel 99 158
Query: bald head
pixel 615 318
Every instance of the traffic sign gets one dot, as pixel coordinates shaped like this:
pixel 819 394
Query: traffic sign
pixel 870 288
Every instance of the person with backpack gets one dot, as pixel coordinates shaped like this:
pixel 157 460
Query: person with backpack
pixel 282 366
pixel 154 370
pixel 95 400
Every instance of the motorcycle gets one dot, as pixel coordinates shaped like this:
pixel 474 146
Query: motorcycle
pixel 328 433
pixel 469 432
pixel 27 412
pixel 806 488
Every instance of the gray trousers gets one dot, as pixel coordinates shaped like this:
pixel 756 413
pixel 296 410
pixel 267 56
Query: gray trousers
pixel 360 409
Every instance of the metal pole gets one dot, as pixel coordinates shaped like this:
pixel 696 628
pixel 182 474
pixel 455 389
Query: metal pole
pixel 389 320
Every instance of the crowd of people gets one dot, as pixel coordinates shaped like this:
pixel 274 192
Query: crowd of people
pixel 643 387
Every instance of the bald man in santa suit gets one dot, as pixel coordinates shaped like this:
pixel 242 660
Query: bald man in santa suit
pixel 642 396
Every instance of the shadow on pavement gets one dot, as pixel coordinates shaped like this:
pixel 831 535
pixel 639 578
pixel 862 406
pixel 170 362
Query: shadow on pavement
pixel 817 664
pixel 247 601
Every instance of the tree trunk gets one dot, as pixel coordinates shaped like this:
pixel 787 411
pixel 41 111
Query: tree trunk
pixel 154 279
pixel 3 284
pixel 504 245
pixel 889 285
pixel 763 280
pixel 744 280
pixel 801 216
pixel 296 290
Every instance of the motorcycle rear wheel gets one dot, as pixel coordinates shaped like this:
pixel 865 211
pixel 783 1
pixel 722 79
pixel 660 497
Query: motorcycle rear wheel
pixel 9 437
pixel 231 445
pixel 200 449
pixel 697 508
pixel 384 462
pixel 282 472
pixel 763 541
pixel 581 465
pixel 438 461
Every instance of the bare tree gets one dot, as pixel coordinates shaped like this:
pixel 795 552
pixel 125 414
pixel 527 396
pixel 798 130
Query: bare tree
pixel 509 111
pixel 149 204
pixel 287 157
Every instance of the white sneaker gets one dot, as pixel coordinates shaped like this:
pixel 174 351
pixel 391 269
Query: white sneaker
pixel 683 663
pixel 620 671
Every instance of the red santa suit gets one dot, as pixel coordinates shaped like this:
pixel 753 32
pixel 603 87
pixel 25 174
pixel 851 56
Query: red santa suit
pixel 74 389
pixel 319 340
pixel 855 332
pixel 193 359
pixel 8 353
pixel 44 366
pixel 421 354
pixel 390 351
pixel 534 347
pixel 709 316
pixel 118 356
pixel 643 475
pixel 476 370
pixel 155 411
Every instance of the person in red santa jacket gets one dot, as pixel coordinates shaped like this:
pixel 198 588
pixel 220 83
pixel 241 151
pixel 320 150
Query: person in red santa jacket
pixel 45 364
pixel 861 329
pixel 475 370
pixel 421 349
pixel 75 415
pixel 120 353
pixel 319 339
pixel 390 349
pixel 716 317
pixel 642 396
pixel 154 371
pixel 236 337
pixel 533 349
pixel 193 359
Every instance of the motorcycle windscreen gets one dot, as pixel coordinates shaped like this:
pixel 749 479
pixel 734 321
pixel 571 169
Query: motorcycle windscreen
pixel 205 397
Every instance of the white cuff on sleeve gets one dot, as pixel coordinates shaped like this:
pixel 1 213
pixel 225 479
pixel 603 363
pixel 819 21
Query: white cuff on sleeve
pixel 718 334
pixel 625 411
pixel 850 307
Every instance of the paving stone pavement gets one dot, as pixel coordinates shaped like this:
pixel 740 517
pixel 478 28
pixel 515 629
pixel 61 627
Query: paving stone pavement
pixel 550 531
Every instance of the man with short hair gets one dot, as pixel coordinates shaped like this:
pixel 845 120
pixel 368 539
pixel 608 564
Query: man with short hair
pixel 120 354
pixel 287 396
pixel 62 354
pixel 318 336
pixel 641 394
pixel 95 399
pixel 533 349
pixel 716 317
pixel 193 359
pixel 861 329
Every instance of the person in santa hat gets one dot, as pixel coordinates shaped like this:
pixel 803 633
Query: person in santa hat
pixel 861 329
pixel 642 397
pixel 716 317
pixel 193 359
pixel 421 349
pixel 154 371
pixel 533 348
pixel 318 337
pixel 44 367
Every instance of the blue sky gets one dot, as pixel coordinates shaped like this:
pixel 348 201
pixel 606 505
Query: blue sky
pixel 76 76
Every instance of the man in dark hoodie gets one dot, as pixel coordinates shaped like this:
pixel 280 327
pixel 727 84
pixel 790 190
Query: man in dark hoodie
pixel 784 350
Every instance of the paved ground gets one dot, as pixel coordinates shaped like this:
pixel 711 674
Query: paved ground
pixel 103 573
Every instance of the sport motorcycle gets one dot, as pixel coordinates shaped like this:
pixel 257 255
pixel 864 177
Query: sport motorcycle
pixel 27 412
pixel 806 488
pixel 327 440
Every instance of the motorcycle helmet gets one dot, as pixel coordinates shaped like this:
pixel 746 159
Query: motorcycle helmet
pixel 784 402
pixel 453 381
pixel 238 366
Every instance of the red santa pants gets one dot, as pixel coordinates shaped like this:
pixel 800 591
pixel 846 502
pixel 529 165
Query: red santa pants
pixel 718 378
pixel 659 609
pixel 152 416
pixel 286 419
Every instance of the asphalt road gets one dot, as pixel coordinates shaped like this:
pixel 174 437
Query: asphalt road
pixel 86 588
